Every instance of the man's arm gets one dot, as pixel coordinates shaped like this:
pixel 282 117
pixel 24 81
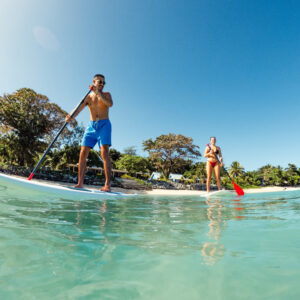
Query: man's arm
pixel 105 97
pixel 81 107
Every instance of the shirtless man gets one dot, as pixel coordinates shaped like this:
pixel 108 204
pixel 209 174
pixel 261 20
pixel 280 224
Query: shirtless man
pixel 98 130
pixel 212 163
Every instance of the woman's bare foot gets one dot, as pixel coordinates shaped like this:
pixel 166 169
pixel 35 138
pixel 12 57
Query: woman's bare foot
pixel 106 188
pixel 78 186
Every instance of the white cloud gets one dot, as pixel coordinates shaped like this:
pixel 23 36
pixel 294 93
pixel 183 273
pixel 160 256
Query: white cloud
pixel 46 38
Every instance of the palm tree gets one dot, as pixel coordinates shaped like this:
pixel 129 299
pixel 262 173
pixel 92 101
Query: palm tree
pixel 292 175
pixel 252 178
pixel 236 170
pixel 277 176
pixel 291 170
pixel 266 173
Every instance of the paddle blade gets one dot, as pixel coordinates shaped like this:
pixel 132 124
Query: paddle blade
pixel 30 177
pixel 238 189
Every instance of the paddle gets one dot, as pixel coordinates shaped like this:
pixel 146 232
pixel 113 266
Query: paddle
pixel 58 134
pixel 237 188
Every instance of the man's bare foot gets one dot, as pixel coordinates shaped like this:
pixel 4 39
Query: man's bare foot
pixel 106 188
pixel 78 186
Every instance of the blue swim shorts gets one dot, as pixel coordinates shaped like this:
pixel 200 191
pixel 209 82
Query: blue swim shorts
pixel 97 131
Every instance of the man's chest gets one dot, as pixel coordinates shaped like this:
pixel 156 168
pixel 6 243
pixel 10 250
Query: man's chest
pixel 96 103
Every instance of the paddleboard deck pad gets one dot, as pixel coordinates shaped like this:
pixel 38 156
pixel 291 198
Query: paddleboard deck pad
pixel 13 183
pixel 221 193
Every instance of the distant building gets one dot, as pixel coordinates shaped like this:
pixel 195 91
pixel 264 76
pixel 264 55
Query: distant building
pixel 173 177
pixel 155 176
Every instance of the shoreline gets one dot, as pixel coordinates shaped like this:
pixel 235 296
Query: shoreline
pixel 166 192
pixel 195 193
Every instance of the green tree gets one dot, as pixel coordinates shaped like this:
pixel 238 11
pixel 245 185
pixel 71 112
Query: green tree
pixel 60 158
pixel 292 170
pixel 73 137
pixel 196 171
pixel 277 176
pixel 130 150
pixel 115 155
pixel 266 173
pixel 9 148
pixel 292 175
pixel 226 182
pixel 183 166
pixel 236 170
pixel 252 178
pixel 170 152
pixel 201 171
pixel 133 164
pixel 28 122
pixel 293 180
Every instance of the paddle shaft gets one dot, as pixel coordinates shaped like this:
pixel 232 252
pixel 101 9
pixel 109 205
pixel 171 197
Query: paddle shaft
pixel 56 137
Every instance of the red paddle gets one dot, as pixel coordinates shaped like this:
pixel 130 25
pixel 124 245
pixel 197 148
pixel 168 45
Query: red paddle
pixel 237 188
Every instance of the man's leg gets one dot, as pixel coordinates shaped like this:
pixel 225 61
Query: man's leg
pixel 107 167
pixel 84 152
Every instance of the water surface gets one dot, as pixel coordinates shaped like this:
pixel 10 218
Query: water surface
pixel 150 247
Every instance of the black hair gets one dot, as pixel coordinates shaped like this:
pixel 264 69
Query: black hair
pixel 99 75
pixel 213 137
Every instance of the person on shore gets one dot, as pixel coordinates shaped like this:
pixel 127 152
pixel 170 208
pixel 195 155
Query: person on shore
pixel 212 163
pixel 98 130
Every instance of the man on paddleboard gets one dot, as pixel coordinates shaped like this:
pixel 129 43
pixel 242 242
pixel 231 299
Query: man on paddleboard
pixel 98 130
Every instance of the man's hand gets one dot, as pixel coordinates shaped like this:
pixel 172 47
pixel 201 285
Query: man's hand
pixel 96 90
pixel 105 97
pixel 68 119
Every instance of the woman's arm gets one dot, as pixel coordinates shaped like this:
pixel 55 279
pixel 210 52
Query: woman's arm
pixel 209 153
pixel 220 155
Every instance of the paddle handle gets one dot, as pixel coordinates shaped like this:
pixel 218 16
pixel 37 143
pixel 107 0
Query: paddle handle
pixel 57 135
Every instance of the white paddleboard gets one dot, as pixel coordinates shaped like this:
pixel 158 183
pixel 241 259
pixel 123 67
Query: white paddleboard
pixel 221 193
pixel 12 183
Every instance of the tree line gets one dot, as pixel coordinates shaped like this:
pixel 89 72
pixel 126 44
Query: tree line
pixel 29 121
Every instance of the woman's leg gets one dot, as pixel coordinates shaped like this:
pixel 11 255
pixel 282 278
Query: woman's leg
pixel 217 175
pixel 208 172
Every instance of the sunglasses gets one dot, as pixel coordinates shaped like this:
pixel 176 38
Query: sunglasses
pixel 101 82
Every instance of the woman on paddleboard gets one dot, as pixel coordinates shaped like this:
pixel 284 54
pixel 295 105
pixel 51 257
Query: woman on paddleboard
pixel 212 152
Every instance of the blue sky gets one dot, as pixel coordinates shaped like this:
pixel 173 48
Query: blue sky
pixel 225 68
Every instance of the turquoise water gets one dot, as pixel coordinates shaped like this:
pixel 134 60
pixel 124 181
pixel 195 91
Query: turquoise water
pixel 150 247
